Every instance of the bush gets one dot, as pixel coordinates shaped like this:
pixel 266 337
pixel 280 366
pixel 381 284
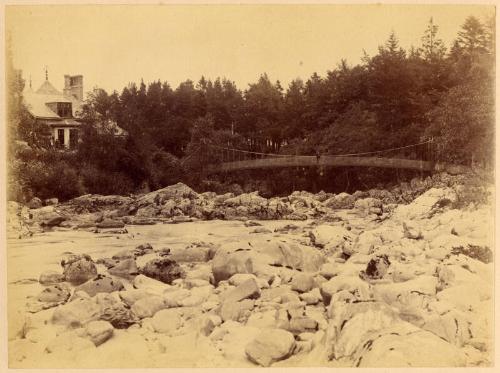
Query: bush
pixel 49 180
pixel 97 181
pixel 166 169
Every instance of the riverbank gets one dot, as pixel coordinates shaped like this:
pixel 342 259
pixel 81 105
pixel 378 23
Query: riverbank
pixel 175 278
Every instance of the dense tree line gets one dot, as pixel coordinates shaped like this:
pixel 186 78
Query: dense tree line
pixel 392 98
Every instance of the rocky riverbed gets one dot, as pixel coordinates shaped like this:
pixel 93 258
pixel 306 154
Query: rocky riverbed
pixel 173 278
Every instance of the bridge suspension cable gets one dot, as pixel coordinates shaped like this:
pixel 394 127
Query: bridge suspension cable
pixel 234 153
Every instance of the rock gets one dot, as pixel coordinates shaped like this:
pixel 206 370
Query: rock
pixel 175 192
pixel 302 324
pixel 481 253
pixel 51 278
pixel 209 323
pixel 67 343
pixel 415 349
pixel 99 331
pixel 236 311
pixel 331 236
pixel 302 282
pixel 147 307
pixel 427 205
pixel 76 313
pixel 389 293
pixel 51 202
pixel 340 201
pixel 100 284
pixel 270 346
pixel 166 321
pixel 53 220
pixel 329 270
pixel 115 311
pixel 146 283
pixel 110 223
pixel 35 203
pixel 164 270
pixel 192 254
pixel 261 230
pixel 247 289
pixel 124 268
pixel 339 283
pixel 130 296
pixel 311 297
pixel 181 219
pixel 252 223
pixel 54 294
pixel 377 268
pixel 368 206
pixel 79 269
pixel 224 265
pixel 411 233
pixel 239 278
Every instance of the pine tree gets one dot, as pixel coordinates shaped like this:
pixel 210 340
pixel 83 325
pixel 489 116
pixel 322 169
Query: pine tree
pixel 433 48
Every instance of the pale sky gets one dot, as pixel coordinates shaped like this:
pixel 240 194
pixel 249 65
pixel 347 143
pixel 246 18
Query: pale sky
pixel 114 45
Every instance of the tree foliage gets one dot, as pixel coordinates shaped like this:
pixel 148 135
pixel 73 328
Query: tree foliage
pixel 393 98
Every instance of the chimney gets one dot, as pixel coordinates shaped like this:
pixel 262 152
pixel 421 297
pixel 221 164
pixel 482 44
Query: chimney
pixel 73 86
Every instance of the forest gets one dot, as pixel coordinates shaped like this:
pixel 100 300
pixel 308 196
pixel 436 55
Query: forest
pixel 393 98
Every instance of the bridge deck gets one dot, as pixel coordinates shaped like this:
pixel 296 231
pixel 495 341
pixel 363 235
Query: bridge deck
pixel 327 161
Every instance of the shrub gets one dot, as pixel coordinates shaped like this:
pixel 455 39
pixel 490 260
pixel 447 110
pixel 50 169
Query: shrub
pixel 97 181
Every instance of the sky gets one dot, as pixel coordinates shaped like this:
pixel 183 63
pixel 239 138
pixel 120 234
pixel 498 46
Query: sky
pixel 113 45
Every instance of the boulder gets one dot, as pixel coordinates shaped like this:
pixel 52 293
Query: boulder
pixel 76 313
pixel 99 331
pixel 192 253
pixel 68 342
pixel 302 282
pixel 389 293
pixel 236 311
pixel 147 307
pixel 224 265
pixel 355 285
pixel 269 346
pixel 340 201
pixel 411 232
pixel 54 294
pixel 239 278
pixel 116 312
pixel 110 223
pixel 247 289
pixel 377 268
pixel 331 236
pixel 126 268
pixel 51 202
pixel 130 296
pixel 50 278
pixel 35 203
pixel 427 205
pixel 368 206
pixel 52 220
pixel 78 269
pixel 414 349
pixel 164 270
pixel 100 284
pixel 166 321
pixel 147 283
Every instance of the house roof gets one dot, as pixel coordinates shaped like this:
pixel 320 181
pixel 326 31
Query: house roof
pixel 47 88
pixel 36 102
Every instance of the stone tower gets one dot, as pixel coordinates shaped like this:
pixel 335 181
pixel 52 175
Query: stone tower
pixel 73 86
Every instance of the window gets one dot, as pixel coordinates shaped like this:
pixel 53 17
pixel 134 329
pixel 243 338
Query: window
pixel 64 109
pixel 60 137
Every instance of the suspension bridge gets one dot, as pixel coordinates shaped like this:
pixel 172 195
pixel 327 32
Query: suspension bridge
pixel 419 156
